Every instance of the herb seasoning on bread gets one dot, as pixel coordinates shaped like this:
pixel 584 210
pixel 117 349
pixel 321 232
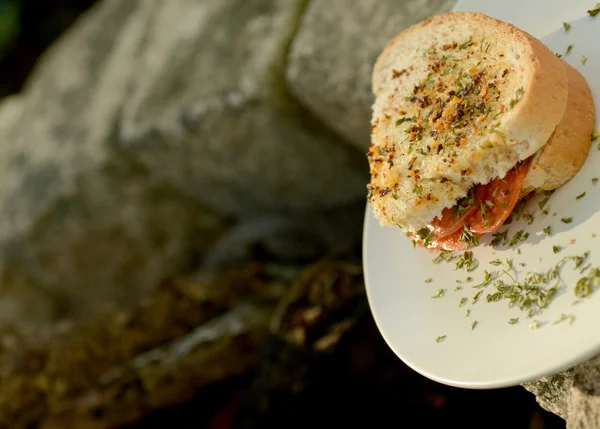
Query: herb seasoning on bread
pixel 471 115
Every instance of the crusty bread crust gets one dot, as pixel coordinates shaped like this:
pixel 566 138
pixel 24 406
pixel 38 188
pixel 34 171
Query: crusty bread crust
pixel 568 147
pixel 520 132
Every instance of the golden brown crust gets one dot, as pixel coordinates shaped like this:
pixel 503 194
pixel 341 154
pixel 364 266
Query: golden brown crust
pixel 567 149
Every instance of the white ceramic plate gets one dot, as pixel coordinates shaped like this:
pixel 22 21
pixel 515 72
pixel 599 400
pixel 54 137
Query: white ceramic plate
pixel 496 353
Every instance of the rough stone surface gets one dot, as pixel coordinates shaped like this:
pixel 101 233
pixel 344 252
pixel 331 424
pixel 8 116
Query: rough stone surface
pixel 138 131
pixel 80 227
pixel 333 53
pixel 584 398
pixel 212 105
pixel 573 395
pixel 288 239
pixel 552 393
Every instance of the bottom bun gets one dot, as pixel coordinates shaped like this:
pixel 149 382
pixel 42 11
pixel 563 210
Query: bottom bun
pixel 567 149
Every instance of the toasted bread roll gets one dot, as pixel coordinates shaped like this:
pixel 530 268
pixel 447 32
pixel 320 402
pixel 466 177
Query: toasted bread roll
pixel 461 98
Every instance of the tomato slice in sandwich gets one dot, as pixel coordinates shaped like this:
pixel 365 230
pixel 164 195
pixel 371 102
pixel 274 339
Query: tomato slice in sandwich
pixel 449 242
pixel 483 210
pixel 498 201
pixel 454 218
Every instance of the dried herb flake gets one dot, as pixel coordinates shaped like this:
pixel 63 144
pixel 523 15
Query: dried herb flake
pixel 440 293
pixel 499 238
pixel 569 49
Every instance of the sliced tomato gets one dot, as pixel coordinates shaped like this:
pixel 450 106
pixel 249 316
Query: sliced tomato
pixel 454 218
pixel 485 210
pixel 449 242
pixel 498 200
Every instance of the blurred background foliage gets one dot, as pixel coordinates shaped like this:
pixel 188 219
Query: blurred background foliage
pixel 27 28
pixel 9 24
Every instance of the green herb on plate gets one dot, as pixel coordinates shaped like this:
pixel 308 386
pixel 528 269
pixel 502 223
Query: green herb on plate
pixel 563 317
pixel 466 261
pixel 499 238
pixel 569 49
pixel 585 286
pixel 439 293
pixel 528 218
pixel 519 236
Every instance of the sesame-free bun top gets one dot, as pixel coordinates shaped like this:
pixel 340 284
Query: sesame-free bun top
pixel 460 99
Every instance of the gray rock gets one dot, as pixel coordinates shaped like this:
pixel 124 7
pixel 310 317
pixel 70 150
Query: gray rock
pixel 210 114
pixel 11 109
pixel 143 126
pixel 291 239
pixel 584 398
pixel 573 395
pixel 333 54
pixel 552 392
pixel 81 228
pixel 17 293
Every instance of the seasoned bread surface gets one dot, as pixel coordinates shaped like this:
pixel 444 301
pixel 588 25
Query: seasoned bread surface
pixel 460 99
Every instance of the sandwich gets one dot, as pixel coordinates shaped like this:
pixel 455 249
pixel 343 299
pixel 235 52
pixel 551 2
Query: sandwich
pixel 471 115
